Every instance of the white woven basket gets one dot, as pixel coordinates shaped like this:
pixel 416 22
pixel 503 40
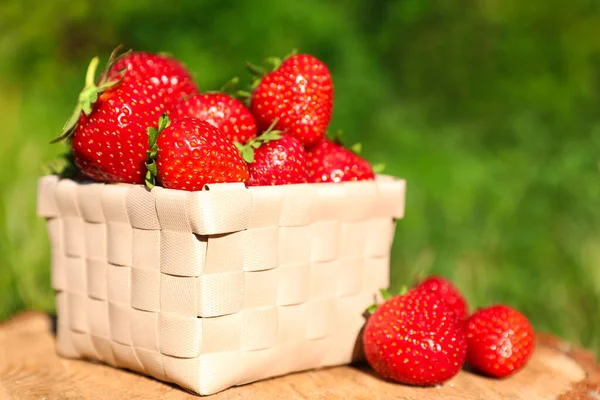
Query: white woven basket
pixel 220 287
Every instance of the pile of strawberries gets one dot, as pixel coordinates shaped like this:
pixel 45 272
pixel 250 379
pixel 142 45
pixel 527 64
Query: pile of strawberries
pixel 425 336
pixel 144 120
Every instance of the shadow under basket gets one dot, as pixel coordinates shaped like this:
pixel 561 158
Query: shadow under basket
pixel 219 287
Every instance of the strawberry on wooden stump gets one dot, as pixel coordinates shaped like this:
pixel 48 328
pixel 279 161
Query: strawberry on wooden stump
pixel 188 153
pixel 500 341
pixel 415 339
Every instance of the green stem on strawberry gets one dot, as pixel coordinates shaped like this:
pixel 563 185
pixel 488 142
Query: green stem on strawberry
pixel 255 69
pixel 258 72
pixel 247 149
pixel 153 133
pixel 230 85
pixel 337 138
pixel 356 148
pixel 273 62
pixel 70 170
pixel 90 75
pixel 245 97
pixel 293 53
pixel 385 295
pixel 379 168
pixel 230 89
pixel 63 166
pixel 90 93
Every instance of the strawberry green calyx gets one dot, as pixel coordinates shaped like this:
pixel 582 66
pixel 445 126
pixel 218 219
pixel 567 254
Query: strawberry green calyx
pixel 247 149
pixel 151 154
pixel 230 88
pixel 337 138
pixel 379 168
pixel 245 97
pixel 294 52
pixel 258 71
pixel 272 64
pixel 63 166
pixel 385 295
pixel 90 93
pixel 69 170
pixel 356 148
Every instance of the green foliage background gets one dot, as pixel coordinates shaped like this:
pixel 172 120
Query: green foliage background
pixel 489 108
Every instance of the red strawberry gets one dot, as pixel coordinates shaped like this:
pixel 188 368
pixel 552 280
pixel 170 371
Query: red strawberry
pixel 415 339
pixel 500 341
pixel 299 94
pixel 188 153
pixel 331 162
pixel 166 73
pixel 228 114
pixel 108 128
pixel 451 295
pixel 275 159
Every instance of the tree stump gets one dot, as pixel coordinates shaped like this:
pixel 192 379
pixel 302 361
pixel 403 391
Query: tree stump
pixel 30 369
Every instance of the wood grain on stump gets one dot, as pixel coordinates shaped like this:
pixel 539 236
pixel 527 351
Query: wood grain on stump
pixel 30 369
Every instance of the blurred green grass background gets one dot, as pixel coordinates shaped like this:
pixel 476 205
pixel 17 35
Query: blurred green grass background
pixel 490 110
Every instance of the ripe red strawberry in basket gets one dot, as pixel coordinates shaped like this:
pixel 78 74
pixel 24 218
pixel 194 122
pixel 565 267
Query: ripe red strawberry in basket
pixel 331 162
pixel 227 113
pixel 169 75
pixel 107 130
pixel 446 289
pixel 275 159
pixel 188 153
pixel 500 341
pixel 415 339
pixel 299 95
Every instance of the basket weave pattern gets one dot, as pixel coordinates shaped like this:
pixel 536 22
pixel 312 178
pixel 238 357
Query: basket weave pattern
pixel 220 287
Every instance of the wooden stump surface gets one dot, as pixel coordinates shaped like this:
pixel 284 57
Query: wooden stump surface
pixel 30 369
